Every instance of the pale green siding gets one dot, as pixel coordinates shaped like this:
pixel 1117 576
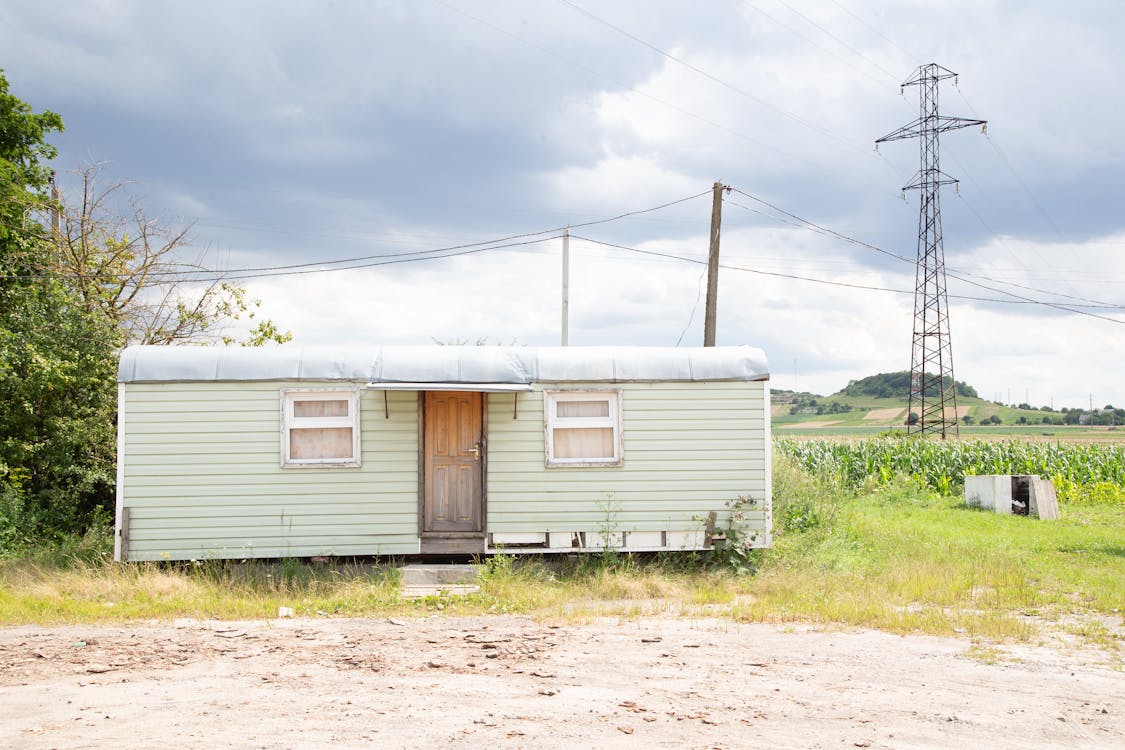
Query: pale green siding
pixel 202 478
pixel 200 471
pixel 689 448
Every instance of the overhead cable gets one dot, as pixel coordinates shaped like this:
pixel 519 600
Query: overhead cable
pixel 1019 300
pixel 959 275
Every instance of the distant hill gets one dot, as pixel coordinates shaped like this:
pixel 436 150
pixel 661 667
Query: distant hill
pixel 894 385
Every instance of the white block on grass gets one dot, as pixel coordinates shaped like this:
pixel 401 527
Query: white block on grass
pixel 990 491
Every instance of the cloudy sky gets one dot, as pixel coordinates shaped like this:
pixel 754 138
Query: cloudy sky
pixel 304 132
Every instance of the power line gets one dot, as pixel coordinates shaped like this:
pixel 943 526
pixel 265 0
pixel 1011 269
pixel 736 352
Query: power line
pixel 818 230
pixel 621 85
pixel 876 32
pixel 695 307
pixel 205 274
pixel 1019 300
pixel 553 231
pixel 960 275
pixel 968 173
pixel 823 229
pixel 711 77
pixel 687 259
pixel 825 31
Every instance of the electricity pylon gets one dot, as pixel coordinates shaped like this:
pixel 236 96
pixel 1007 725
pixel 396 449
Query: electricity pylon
pixel 932 387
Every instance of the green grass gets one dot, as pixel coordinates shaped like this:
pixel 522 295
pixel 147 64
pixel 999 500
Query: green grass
pixel 903 558
pixel 894 555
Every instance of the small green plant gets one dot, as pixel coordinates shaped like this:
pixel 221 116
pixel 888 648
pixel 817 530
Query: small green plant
pixel 800 514
pixel 497 567
pixel 293 570
pixel 732 547
pixel 608 529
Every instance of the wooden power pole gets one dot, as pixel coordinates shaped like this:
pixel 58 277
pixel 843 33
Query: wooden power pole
pixel 713 266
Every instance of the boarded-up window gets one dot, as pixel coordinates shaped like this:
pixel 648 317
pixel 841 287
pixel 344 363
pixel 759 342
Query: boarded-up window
pixel 320 428
pixel 583 428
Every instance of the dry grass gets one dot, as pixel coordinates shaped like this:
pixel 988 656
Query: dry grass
pixel 898 558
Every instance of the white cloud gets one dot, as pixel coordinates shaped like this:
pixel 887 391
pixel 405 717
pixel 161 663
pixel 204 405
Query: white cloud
pixel 312 131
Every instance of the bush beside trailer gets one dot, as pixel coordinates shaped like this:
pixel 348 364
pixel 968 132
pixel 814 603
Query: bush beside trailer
pixel 238 453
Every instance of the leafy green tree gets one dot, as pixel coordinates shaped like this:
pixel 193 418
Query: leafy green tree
pixel 70 297
pixel 56 361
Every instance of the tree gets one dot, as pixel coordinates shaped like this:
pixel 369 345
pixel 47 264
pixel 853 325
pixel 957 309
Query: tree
pixel 896 385
pixel 69 299
pixel 56 361
pixel 140 272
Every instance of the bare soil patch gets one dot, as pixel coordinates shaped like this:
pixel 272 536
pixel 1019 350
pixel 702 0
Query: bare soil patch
pixel 884 415
pixel 803 425
pixel 512 682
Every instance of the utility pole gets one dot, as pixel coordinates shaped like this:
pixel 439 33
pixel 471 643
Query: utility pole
pixel 713 264
pixel 566 287
pixel 932 386
pixel 56 212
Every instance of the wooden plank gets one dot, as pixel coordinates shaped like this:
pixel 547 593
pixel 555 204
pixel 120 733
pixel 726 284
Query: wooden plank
pixel 1044 501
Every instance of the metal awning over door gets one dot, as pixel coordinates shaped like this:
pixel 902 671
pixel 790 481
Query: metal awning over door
pixel 469 387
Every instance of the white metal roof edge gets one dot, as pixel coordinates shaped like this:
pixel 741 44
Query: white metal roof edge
pixel 474 387
pixel 466 365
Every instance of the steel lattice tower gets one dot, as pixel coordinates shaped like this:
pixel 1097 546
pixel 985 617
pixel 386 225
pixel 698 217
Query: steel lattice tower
pixel 932 386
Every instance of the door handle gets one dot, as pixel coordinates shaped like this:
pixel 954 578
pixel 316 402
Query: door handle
pixel 476 452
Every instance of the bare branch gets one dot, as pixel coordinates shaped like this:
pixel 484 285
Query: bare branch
pixel 140 271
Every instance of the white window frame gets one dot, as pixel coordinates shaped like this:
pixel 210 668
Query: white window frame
pixel 553 422
pixel 289 422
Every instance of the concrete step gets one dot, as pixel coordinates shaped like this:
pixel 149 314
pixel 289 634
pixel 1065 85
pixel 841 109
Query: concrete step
pixel 439 575
pixel 449 589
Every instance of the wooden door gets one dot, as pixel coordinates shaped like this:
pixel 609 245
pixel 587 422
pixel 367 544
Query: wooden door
pixel 453 458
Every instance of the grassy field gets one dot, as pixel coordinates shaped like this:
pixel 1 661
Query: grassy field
pixel 892 554
pixel 871 416
pixel 809 428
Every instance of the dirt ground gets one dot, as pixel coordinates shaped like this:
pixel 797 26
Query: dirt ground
pixel 803 425
pixel 883 415
pixel 512 682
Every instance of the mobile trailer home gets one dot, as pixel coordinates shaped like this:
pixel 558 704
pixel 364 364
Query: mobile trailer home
pixel 230 452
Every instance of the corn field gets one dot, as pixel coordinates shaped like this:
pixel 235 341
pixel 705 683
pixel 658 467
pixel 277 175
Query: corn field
pixel 1082 473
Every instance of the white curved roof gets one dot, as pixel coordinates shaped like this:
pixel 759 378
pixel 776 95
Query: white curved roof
pixel 441 364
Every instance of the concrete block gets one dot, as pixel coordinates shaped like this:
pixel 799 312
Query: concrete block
pixel 989 491
pixel 438 575
pixel 449 589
